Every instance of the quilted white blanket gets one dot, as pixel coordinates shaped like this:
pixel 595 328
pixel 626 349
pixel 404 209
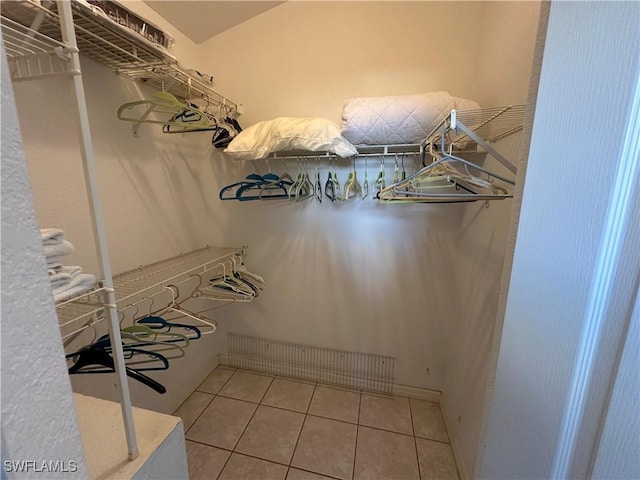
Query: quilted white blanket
pixel 397 119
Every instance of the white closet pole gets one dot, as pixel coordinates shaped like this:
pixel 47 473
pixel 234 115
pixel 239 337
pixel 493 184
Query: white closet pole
pixel 69 37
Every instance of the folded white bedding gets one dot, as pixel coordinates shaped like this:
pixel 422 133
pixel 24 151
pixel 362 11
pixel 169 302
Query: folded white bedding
pixel 399 119
pixel 312 134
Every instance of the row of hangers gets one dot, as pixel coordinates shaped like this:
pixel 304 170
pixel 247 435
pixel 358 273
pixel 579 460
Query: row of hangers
pixel 305 186
pixel 153 338
pixel 447 178
pixel 176 116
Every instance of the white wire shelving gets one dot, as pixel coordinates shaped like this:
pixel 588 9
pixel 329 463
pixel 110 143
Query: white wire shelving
pixel 106 42
pixel 44 39
pixel 135 285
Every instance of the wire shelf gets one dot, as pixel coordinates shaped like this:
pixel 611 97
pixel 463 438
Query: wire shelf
pixel 146 281
pixel 490 124
pixel 111 44
pixel 31 54
pixel 138 284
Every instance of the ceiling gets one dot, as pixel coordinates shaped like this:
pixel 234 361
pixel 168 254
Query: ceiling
pixel 201 20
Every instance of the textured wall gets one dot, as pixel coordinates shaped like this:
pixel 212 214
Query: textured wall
pixel 561 235
pixel 38 417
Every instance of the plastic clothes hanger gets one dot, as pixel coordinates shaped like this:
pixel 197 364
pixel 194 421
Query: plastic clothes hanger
pixel 317 187
pixel 254 182
pixel 244 272
pixel 255 290
pixel 99 357
pixel 380 182
pixel 285 176
pixel 304 189
pixel 352 185
pixel 155 322
pixel 175 307
pixel 328 188
pixel 105 342
pixel 144 333
pixel 396 170
pixel 336 184
pixel 229 282
pixel 365 185
pixel 161 103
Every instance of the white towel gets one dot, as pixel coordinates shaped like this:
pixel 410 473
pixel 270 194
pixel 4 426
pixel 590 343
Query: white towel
pixel 63 276
pixel 51 235
pixel 64 247
pixel 54 268
pixel 54 263
pixel 81 283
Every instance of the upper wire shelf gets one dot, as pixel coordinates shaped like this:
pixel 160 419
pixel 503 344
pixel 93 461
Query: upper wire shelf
pixel 489 124
pixel 107 43
pixel 34 55
pixel 134 285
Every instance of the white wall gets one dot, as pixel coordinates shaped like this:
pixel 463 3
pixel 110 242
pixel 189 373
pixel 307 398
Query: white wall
pixel 358 276
pixel 564 232
pixel 38 416
pixel 487 56
pixel 306 58
pixel 508 33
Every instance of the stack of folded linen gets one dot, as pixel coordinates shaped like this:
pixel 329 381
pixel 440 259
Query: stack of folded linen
pixel 66 281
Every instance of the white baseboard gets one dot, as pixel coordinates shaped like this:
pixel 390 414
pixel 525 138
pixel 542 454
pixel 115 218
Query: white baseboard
pixel 417 393
pixel 457 454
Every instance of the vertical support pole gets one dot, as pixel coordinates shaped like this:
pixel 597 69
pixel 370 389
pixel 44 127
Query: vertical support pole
pixel 69 37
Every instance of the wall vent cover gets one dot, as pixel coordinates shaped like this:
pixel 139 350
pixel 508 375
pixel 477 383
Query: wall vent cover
pixel 360 371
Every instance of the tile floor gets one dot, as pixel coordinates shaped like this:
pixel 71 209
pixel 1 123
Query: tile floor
pixel 248 426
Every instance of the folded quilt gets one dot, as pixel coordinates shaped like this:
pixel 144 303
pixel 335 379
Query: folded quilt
pixel 399 119
pixel 51 236
pixel 81 283
pixel 63 247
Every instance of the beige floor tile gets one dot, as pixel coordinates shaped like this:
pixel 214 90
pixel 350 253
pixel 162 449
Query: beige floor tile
pixel 391 414
pixel 192 407
pixel 205 462
pixel 427 420
pixel 337 404
pixel 385 456
pixel 222 422
pixel 272 434
pixel 216 379
pixel 326 446
pixel 295 474
pixel 289 394
pixel 246 386
pixel 436 460
pixel 241 467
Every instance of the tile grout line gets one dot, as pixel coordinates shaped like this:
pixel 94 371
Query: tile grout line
pixel 355 450
pixel 252 416
pixel 231 452
pixel 199 415
pixel 304 421
pixel 213 396
pixel 415 440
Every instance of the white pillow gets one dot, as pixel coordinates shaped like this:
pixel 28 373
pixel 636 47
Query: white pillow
pixel 289 133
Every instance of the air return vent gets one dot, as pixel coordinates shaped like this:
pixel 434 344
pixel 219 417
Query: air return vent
pixel 361 371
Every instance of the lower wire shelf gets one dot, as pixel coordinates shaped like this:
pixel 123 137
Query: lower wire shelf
pixel 84 311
